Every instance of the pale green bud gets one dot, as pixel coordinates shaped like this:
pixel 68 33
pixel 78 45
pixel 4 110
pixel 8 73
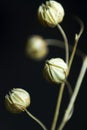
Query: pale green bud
pixel 51 13
pixel 36 47
pixel 55 70
pixel 17 100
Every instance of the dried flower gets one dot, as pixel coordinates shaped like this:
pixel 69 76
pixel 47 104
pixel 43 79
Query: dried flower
pixel 17 100
pixel 51 13
pixel 55 70
pixel 36 47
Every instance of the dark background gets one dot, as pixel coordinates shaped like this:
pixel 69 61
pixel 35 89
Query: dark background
pixel 18 21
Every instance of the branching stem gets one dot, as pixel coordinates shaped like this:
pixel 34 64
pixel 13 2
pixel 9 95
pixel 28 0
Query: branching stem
pixel 56 114
pixel 77 37
pixel 75 93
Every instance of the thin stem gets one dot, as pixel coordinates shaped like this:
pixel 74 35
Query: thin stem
pixel 77 37
pixel 70 92
pixel 37 120
pixel 75 93
pixel 60 44
pixel 56 114
pixel 65 41
pixel 69 88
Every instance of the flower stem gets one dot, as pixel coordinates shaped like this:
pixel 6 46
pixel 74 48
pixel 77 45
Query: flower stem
pixel 37 120
pixel 75 93
pixel 60 44
pixel 56 114
pixel 77 37
pixel 65 42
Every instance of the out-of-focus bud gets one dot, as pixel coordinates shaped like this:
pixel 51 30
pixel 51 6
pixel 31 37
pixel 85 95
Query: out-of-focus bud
pixel 36 47
pixel 51 13
pixel 55 70
pixel 17 100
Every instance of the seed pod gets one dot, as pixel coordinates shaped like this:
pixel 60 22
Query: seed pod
pixel 55 70
pixel 51 13
pixel 36 48
pixel 17 100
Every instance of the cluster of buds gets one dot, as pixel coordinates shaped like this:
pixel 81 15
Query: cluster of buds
pixel 50 14
pixel 55 69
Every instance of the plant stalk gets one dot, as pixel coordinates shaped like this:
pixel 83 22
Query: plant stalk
pixel 65 42
pixel 75 93
pixel 37 120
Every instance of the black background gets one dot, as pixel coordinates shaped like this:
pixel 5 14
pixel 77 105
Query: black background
pixel 18 21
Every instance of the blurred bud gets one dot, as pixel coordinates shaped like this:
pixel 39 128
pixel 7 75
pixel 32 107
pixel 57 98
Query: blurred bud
pixel 17 100
pixel 55 70
pixel 50 13
pixel 36 48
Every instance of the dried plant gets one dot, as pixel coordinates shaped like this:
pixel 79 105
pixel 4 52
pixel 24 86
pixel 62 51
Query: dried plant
pixel 56 70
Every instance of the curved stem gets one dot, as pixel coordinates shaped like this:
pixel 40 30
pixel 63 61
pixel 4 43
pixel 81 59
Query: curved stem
pixel 65 41
pixel 77 37
pixel 75 93
pixel 56 114
pixel 60 44
pixel 37 120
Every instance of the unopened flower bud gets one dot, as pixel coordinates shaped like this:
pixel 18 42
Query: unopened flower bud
pixel 36 48
pixel 17 100
pixel 51 13
pixel 55 70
